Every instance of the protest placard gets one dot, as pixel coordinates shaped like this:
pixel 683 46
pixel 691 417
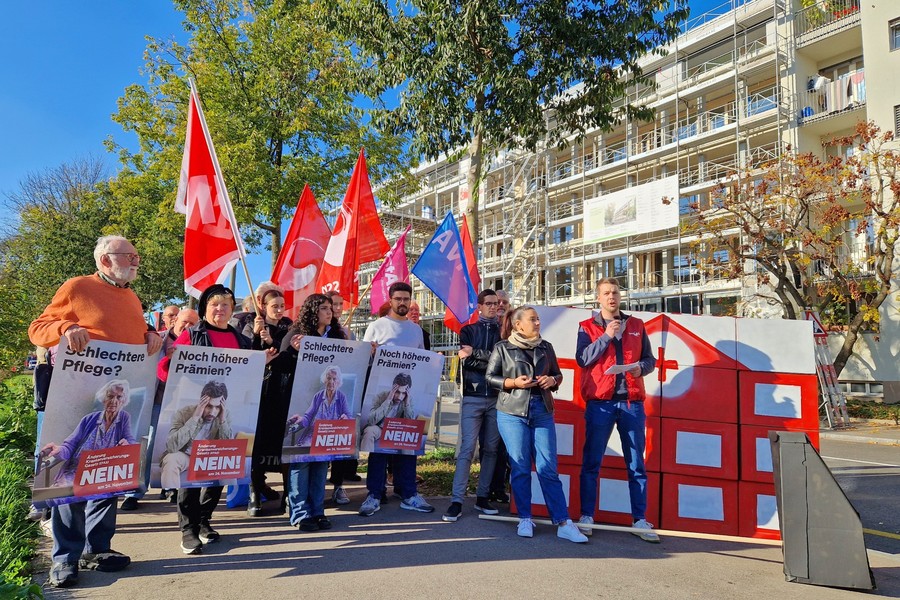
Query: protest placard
pixel 96 423
pixel 207 422
pixel 399 399
pixel 325 400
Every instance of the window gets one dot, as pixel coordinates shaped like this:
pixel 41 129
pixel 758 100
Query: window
pixel 564 280
pixel 615 267
pixel 897 120
pixel 688 305
pixel 684 269
pixel 688 204
pixel 563 234
pixel 894 28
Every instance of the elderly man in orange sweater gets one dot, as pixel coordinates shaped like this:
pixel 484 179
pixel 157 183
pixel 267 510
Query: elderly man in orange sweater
pixel 96 307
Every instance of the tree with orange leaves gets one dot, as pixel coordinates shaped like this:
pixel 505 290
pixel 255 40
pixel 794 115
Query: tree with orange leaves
pixel 812 232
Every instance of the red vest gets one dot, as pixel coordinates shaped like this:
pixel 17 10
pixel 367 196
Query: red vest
pixel 597 386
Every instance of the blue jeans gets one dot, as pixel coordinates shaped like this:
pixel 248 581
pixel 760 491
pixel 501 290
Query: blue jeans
pixel 476 412
pixel 533 438
pixel 599 418
pixel 145 482
pixel 404 474
pixel 306 490
pixel 82 527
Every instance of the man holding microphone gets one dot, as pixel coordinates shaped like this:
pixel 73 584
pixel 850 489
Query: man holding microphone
pixel 614 353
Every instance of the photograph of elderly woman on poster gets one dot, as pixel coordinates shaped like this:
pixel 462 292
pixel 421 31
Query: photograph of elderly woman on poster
pixel 329 403
pixel 105 428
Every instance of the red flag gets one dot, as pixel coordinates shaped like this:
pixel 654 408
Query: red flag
pixel 300 259
pixel 450 321
pixel 357 237
pixel 394 268
pixel 212 242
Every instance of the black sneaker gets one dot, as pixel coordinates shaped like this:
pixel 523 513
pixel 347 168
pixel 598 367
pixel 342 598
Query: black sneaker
pixel 208 535
pixel 501 497
pixel 129 503
pixel 323 522
pixel 309 524
pixel 108 562
pixel 452 514
pixel 190 543
pixel 484 506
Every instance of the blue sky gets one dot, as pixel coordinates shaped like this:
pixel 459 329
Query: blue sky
pixel 64 66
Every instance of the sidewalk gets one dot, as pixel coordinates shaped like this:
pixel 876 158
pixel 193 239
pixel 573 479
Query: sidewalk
pixel 400 554
pixel 865 432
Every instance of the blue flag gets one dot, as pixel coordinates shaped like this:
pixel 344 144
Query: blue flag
pixel 442 268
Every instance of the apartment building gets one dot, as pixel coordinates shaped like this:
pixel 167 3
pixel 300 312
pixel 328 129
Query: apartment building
pixel 739 86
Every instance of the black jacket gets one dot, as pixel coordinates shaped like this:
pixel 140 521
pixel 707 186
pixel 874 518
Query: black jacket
pixel 482 336
pixel 508 361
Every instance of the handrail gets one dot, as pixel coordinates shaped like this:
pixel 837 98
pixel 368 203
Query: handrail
pixel 812 17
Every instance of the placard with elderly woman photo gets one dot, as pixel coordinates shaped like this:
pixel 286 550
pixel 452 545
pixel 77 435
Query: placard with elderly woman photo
pixel 328 387
pixel 97 409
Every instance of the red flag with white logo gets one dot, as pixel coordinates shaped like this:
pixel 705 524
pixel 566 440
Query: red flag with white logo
pixel 300 259
pixel 357 237
pixel 212 242
pixel 450 321
pixel 394 268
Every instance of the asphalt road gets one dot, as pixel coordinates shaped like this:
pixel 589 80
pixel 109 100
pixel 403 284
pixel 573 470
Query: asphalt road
pixel 869 474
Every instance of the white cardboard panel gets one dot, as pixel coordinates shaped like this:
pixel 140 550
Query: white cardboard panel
pixel 766 512
pixel 566 389
pixel 701 502
pixel 559 326
pixel 537 496
pixel 719 333
pixel 614 496
pixel 777 400
pixel 776 346
pixel 763 455
pixel 701 449
pixel 565 439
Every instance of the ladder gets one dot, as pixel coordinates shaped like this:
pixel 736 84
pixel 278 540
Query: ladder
pixel 833 400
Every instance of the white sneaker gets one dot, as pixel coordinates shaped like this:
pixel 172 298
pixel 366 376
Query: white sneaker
pixel 584 520
pixel 568 531
pixel 649 535
pixel 526 528
pixel 370 506
pixel 417 503
pixel 340 496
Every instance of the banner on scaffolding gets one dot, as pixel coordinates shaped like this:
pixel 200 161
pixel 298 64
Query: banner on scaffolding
pixel 652 206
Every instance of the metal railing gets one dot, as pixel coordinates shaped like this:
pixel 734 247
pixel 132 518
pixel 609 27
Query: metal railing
pixel 828 98
pixel 823 14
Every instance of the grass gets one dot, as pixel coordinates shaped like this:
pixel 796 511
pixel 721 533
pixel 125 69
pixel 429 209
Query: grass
pixel 18 535
pixel 865 409
pixel 437 467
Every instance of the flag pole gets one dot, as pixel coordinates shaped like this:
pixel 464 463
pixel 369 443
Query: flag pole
pixel 363 295
pixel 229 211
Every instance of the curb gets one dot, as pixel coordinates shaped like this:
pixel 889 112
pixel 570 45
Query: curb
pixel 847 437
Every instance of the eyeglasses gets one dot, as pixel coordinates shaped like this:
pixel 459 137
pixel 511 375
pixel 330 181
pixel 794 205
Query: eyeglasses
pixel 491 303
pixel 131 256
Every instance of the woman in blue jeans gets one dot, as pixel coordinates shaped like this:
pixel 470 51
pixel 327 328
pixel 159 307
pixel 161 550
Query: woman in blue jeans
pixel 306 480
pixel 524 368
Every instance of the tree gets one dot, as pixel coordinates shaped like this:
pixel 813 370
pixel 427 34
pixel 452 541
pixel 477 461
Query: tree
pixel 822 233
pixel 55 219
pixel 491 73
pixel 278 91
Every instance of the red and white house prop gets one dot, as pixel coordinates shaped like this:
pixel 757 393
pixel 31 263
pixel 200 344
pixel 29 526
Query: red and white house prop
pixel 720 385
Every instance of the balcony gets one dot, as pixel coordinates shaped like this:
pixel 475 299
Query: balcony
pixel 824 19
pixel 824 99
